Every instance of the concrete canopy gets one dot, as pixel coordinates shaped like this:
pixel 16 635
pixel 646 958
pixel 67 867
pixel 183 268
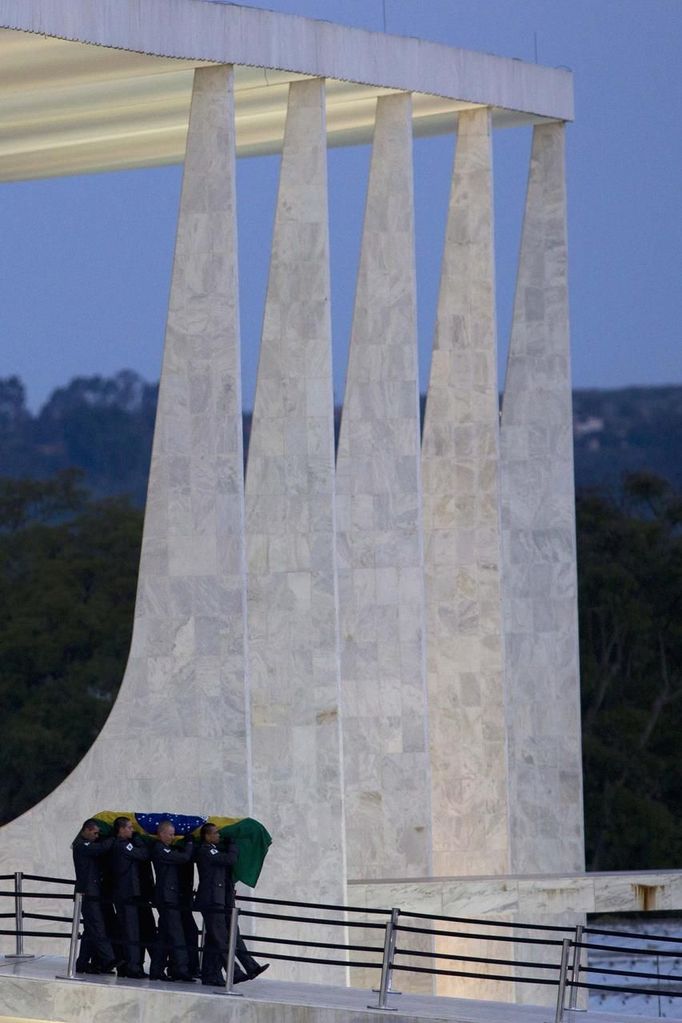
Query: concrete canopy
pixel 93 87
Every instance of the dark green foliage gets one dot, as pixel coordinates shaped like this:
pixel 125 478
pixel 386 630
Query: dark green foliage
pixel 68 570
pixel 630 580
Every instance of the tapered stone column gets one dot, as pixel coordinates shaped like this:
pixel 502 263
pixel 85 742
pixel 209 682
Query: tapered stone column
pixel 539 537
pixel 386 764
pixel 177 737
pixel 188 664
pixel 293 629
pixel 462 533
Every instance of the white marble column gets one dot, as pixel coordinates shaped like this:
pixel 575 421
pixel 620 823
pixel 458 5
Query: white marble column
pixel 177 737
pixel 292 593
pixel 386 763
pixel 460 466
pixel 539 537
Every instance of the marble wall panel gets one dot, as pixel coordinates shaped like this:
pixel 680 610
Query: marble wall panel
pixel 547 900
pixel 292 591
pixel 538 529
pixel 462 532
pixel 381 602
pixel 185 683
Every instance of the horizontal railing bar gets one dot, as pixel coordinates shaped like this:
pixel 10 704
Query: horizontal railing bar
pixel 314 905
pixel 629 934
pixel 37 934
pixel 627 973
pixel 486 937
pixel 312 920
pixel 40 895
pixel 666 953
pixel 52 880
pixel 629 990
pixel 324 962
pixel 476 959
pixel 477 976
pixel 489 923
pixel 312 944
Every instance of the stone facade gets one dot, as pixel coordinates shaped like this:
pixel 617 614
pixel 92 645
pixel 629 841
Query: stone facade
pixel 377 658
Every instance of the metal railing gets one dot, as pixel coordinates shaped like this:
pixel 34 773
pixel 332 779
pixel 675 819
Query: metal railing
pixel 19 895
pixel 568 972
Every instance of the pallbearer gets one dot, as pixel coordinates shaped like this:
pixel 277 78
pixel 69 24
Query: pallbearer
pixel 96 954
pixel 215 899
pixel 168 895
pixel 127 854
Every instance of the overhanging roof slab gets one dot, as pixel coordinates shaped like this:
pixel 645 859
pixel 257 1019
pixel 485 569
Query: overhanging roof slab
pixel 91 85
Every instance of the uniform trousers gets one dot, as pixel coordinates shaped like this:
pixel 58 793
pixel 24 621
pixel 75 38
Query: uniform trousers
pixel 170 944
pixel 189 926
pixel 215 944
pixel 95 946
pixel 128 924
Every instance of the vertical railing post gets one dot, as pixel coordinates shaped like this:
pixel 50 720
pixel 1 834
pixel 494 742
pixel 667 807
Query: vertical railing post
pixel 658 981
pixel 200 943
pixel 73 946
pixel 575 969
pixel 231 949
pixel 19 919
pixel 387 964
pixel 563 973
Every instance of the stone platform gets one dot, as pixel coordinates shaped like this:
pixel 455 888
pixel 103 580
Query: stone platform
pixel 30 991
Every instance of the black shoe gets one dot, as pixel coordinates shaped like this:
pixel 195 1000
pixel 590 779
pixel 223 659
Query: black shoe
pixel 137 975
pixel 182 978
pixel 213 983
pixel 256 972
pixel 240 977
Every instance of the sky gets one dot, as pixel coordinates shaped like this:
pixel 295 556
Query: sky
pixel 85 261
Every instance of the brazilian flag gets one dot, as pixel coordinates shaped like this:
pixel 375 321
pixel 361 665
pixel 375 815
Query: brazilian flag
pixel 251 837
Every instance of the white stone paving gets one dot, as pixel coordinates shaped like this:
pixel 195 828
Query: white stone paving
pixel 30 988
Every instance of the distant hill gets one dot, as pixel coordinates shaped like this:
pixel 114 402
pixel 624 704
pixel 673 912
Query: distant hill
pixel 104 426
pixel 627 430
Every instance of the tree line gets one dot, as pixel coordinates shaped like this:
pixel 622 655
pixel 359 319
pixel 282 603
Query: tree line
pixel 68 571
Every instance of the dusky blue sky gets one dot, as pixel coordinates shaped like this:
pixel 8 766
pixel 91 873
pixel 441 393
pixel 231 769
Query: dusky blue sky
pixel 85 261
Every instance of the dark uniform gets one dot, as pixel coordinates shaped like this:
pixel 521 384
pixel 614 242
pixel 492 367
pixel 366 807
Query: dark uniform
pixel 95 947
pixel 189 926
pixel 126 857
pixel 168 899
pixel 215 899
pixel 145 911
